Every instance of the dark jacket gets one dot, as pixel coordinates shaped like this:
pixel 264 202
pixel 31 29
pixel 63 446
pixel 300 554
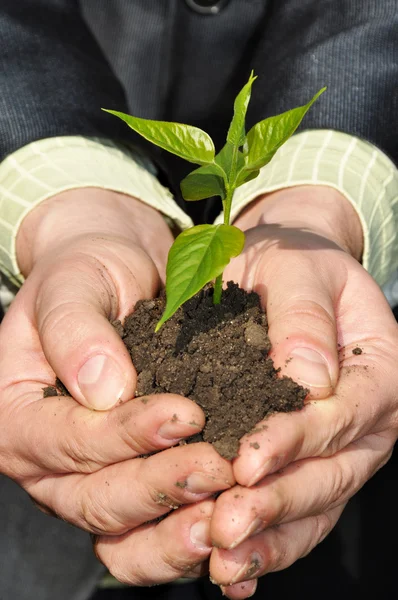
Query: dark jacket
pixel 61 60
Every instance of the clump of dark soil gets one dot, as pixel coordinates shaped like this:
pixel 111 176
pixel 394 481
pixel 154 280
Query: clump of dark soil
pixel 215 355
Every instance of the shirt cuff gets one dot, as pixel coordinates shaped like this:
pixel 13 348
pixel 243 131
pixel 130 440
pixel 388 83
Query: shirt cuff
pixel 361 172
pixel 47 167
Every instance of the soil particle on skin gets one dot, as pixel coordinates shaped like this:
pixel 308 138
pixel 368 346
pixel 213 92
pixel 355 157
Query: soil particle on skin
pixel 357 351
pixel 215 355
pixel 49 391
pixel 181 484
pixel 55 390
pixel 165 500
pixel 253 568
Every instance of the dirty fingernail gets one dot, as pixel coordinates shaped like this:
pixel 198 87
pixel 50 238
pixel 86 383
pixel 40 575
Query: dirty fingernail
pixel 308 367
pixel 200 534
pixel 101 381
pixel 249 570
pixel 199 483
pixel 175 429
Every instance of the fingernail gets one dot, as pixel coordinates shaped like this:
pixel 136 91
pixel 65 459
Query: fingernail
pixel 255 527
pixel 269 466
pixel 199 483
pixel 101 382
pixel 200 534
pixel 175 429
pixel 309 368
pixel 249 570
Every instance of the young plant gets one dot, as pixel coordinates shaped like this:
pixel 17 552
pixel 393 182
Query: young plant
pixel 200 254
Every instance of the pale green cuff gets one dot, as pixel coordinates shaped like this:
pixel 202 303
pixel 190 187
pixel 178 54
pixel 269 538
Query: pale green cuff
pixel 357 169
pixel 45 168
pixel 361 172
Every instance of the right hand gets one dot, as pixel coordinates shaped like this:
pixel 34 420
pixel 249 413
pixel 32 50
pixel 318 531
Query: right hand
pixel 84 465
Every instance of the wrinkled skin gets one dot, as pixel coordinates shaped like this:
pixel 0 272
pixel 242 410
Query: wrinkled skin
pixel 80 464
pixel 309 463
pixel 84 465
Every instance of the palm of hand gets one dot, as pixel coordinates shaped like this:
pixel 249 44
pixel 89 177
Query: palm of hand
pixel 321 301
pixel 85 466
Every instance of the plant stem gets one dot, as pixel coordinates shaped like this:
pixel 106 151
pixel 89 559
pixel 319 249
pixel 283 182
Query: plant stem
pixel 227 206
pixel 217 290
pixel 227 215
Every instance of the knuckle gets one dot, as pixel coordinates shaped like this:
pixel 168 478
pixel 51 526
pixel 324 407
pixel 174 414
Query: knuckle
pixel 176 563
pixel 114 560
pixel 278 553
pixel 391 416
pixel 79 456
pixel 159 498
pixel 95 517
pixel 344 484
pixel 128 572
pixel 278 503
pixel 153 496
pixel 342 430
pixel 150 495
pixel 129 433
pixel 322 527
pixel 124 573
pixel 309 316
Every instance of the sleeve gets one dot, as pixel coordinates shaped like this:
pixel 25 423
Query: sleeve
pixel 54 80
pixel 352 143
pixel 363 174
pixel 50 166
pixel 53 76
pixel 351 47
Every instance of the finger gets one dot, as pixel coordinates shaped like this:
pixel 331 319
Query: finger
pixel 125 495
pixel 241 590
pixel 302 324
pixel 57 435
pixel 89 288
pixel 272 550
pixel 299 297
pixel 159 553
pixel 304 488
pixel 198 571
pixel 321 428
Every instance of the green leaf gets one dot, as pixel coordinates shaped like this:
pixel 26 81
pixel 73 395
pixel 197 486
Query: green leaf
pixel 186 141
pixel 245 176
pixel 203 183
pixel 197 256
pixel 236 133
pixel 266 137
pixel 225 159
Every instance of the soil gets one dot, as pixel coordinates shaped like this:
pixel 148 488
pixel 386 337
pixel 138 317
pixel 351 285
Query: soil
pixel 216 355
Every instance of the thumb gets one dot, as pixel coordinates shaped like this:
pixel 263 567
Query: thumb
pixel 74 307
pixel 301 300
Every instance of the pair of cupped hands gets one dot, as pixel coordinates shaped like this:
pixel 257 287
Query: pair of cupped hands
pixel 88 255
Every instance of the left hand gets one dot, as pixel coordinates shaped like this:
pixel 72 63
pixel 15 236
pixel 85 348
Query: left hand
pixel 321 305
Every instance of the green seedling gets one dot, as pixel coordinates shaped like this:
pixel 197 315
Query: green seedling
pixel 200 254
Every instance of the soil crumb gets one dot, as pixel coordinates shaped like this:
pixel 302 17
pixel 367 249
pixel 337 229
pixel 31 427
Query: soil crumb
pixel 216 355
